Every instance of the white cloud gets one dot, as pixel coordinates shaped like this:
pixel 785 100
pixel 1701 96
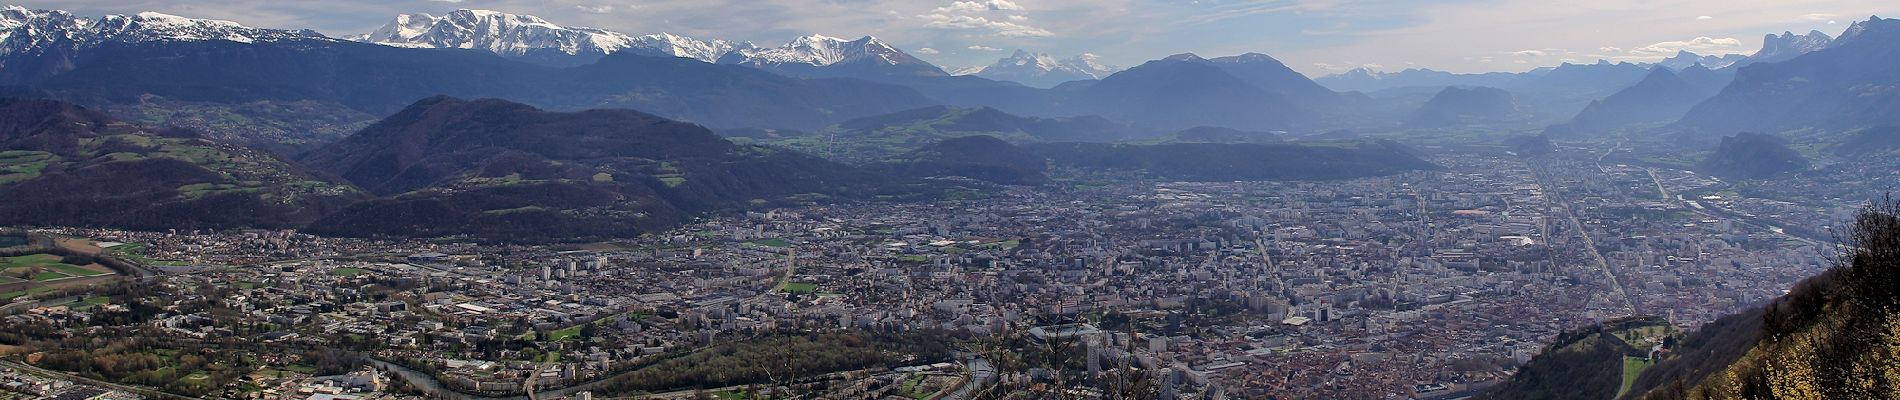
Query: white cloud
pixel 1610 49
pixel 447 1
pixel 979 6
pixel 999 17
pixel 927 51
pixel 1004 28
pixel 1819 17
pixel 1699 45
pixel 1703 18
pixel 979 47
pixel 1530 53
pixel 592 9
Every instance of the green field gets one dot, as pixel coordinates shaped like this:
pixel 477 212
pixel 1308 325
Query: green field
pixel 348 271
pixel 51 268
pixel 29 261
pixel 1632 367
pixel 200 190
pixel 565 332
pixel 21 165
pixel 799 287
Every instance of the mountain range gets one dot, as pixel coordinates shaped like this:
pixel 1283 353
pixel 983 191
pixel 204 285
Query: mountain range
pixel 1661 97
pixel 1685 59
pixel 1787 45
pixel 35 43
pixel 1044 71
pixel 498 170
pixel 1846 85
pixel 159 69
pixel 531 38
pixel 528 36
pixel 111 67
pixel 1774 48
pixel 492 168
pixel 746 87
pixel 1466 106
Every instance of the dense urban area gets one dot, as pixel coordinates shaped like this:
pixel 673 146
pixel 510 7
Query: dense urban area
pixel 1424 284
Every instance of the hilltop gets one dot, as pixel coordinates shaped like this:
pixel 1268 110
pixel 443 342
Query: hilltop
pixel 62 164
pixel 493 168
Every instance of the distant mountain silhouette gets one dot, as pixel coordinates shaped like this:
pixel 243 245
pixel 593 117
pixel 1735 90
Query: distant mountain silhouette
pixel 378 79
pixel 497 169
pixel 1837 88
pixel 1660 98
pixel 877 137
pixel 980 157
pixel 1752 156
pixel 1462 106
pixel 1215 134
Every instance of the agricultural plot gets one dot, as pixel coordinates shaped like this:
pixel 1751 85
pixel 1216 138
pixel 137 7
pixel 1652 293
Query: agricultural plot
pixel 44 268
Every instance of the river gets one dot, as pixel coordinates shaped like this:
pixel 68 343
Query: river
pixel 434 388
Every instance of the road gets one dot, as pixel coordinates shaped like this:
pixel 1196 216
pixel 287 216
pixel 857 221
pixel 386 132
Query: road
pixel 1596 257
pixel 1659 186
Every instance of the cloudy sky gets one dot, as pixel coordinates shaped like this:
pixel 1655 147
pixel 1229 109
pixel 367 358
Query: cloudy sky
pixel 1314 36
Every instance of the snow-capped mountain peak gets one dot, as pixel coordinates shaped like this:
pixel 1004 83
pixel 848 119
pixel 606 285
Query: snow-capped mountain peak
pixel 821 50
pixel 24 30
pixel 1685 59
pixel 521 35
pixel 680 46
pixel 827 56
pixel 1873 25
pixel 517 35
pixel 1789 45
pixel 498 32
pixel 1043 70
